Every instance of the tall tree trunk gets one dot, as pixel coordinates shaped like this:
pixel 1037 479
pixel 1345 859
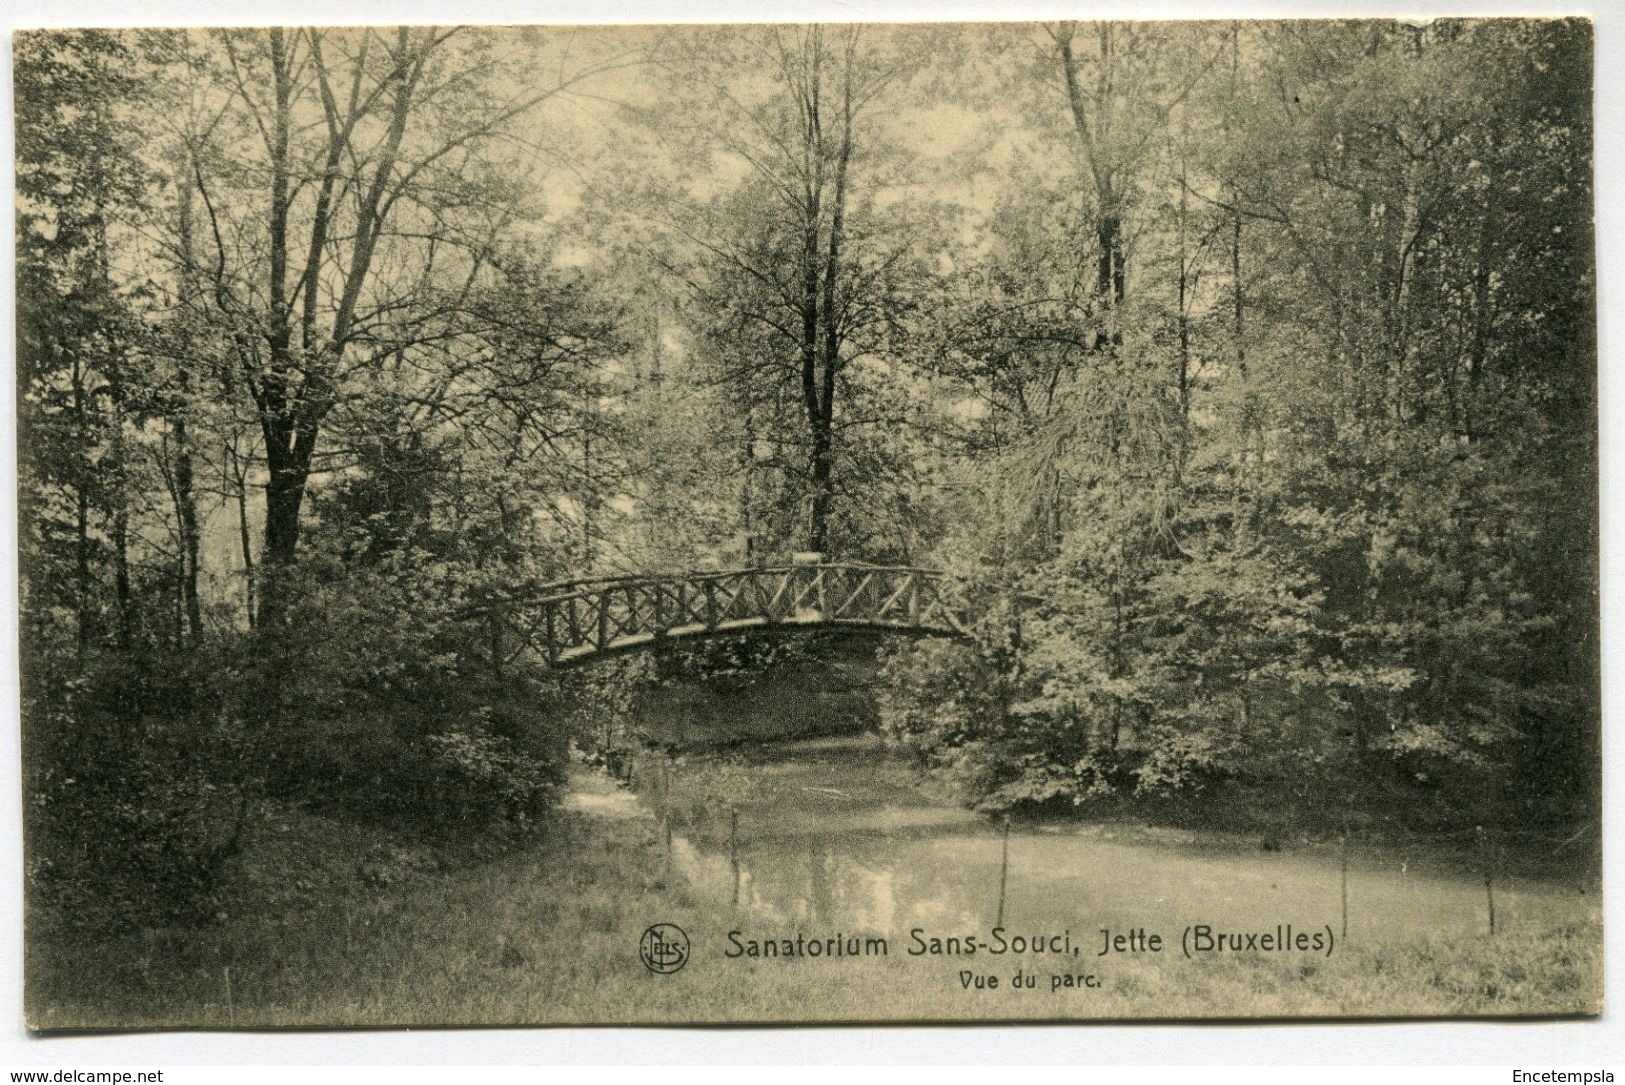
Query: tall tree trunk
pixel 83 616
pixel 819 438
pixel 81 561
pixel 747 489
pixel 1110 281
pixel 1183 376
pixel 1110 273
pixel 121 576
pixel 1251 431
pixel 822 473
pixel 823 465
pixel 589 504
pixel 119 529
pixel 239 479
pixel 281 410
pixel 284 494
pixel 186 514
pixel 115 468
pixel 1248 422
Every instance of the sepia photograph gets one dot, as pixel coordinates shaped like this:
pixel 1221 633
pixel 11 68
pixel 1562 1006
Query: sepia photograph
pixel 808 523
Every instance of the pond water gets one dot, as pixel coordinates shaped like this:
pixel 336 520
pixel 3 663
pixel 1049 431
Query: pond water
pixel 835 835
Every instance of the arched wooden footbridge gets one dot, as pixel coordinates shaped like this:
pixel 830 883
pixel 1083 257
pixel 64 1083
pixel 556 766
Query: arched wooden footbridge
pixel 566 623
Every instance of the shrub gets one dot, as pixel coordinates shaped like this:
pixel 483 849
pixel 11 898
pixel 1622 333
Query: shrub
pixel 480 753
pixel 141 784
pixel 480 774
pixel 384 707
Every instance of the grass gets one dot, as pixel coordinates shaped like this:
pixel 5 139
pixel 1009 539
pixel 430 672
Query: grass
pixel 336 928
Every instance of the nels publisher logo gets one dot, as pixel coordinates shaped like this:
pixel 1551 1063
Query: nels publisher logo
pixel 664 948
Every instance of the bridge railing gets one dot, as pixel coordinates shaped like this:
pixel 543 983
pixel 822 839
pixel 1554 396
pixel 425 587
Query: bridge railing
pixel 561 623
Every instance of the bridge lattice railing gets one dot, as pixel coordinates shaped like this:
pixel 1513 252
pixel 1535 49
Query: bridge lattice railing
pixel 563 623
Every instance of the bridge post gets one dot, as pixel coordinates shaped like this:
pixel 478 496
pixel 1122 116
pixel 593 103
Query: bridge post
pixel 710 604
pixel 550 615
pixel 603 618
pixel 757 603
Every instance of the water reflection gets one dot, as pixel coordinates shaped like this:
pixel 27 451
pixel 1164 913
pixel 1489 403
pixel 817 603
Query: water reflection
pixel 884 864
pixel 830 884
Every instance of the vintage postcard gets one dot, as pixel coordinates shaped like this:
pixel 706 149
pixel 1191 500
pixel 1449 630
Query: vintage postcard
pixel 808 523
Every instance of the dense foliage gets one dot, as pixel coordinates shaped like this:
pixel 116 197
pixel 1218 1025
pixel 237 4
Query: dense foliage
pixel 1332 516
